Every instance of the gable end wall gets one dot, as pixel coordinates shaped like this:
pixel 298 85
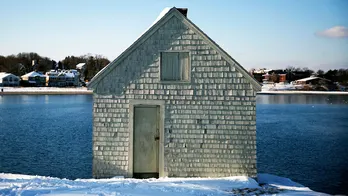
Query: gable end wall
pixel 209 123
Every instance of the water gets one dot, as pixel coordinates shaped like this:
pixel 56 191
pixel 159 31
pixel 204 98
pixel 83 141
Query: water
pixel 302 137
pixel 48 135
pixel 305 138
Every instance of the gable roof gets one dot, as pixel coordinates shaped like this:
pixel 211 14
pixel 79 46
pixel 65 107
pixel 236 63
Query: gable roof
pixel 311 78
pixel 165 15
pixel 33 74
pixel 4 75
pixel 80 65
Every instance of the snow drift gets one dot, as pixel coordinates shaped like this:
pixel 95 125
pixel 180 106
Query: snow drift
pixel 15 184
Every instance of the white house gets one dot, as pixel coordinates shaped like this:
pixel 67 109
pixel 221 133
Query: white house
pixel 8 79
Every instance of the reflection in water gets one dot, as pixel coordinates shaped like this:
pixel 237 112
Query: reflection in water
pixel 301 99
pixel 47 99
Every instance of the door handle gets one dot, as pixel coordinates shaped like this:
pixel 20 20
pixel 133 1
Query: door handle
pixel 156 138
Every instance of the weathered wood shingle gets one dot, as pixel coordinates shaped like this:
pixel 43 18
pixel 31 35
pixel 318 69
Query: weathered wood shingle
pixel 209 122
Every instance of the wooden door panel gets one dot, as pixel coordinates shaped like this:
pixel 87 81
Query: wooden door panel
pixel 145 149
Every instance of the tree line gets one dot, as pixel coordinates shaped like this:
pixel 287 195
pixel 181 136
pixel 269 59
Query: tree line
pixel 23 63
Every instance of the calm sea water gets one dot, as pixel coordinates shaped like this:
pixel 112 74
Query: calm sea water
pixel 302 137
pixel 48 135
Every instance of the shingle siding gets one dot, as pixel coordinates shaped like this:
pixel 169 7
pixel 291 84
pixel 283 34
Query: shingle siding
pixel 209 124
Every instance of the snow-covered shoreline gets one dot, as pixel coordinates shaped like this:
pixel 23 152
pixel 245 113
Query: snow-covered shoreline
pixel 302 92
pixel 43 90
pixel 17 184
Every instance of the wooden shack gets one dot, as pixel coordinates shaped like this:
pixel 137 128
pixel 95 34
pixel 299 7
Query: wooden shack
pixel 174 104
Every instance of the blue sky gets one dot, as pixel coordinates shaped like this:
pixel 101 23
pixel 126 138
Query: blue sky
pixel 257 33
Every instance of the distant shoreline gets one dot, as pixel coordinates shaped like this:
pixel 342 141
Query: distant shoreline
pixel 44 91
pixel 302 93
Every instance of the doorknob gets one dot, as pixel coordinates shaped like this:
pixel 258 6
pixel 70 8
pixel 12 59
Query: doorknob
pixel 156 138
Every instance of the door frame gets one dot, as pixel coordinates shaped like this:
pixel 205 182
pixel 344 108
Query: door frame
pixel 160 104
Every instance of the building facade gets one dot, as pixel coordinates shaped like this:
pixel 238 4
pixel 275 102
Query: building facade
pixel 8 79
pixel 174 104
pixel 52 78
pixel 62 78
pixel 34 79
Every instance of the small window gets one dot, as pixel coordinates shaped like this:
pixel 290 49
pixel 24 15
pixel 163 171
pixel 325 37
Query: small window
pixel 175 66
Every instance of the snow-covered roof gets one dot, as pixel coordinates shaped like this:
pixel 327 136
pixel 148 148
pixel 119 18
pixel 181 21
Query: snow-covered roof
pixel 159 17
pixel 61 74
pixel 33 74
pixel 4 74
pixel 80 65
pixel 69 75
pixel 311 78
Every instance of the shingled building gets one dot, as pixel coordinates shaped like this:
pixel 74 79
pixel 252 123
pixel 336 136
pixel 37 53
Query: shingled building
pixel 174 104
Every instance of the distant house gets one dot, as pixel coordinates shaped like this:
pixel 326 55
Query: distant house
pixel 174 104
pixel 81 66
pixel 271 76
pixel 282 78
pixel 8 79
pixel 316 83
pixel 34 79
pixel 72 77
pixel 260 74
pixel 296 75
pixel 312 80
pixel 52 78
pixel 62 78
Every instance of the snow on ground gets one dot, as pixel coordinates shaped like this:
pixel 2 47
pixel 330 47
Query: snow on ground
pixel 279 87
pixel 25 185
